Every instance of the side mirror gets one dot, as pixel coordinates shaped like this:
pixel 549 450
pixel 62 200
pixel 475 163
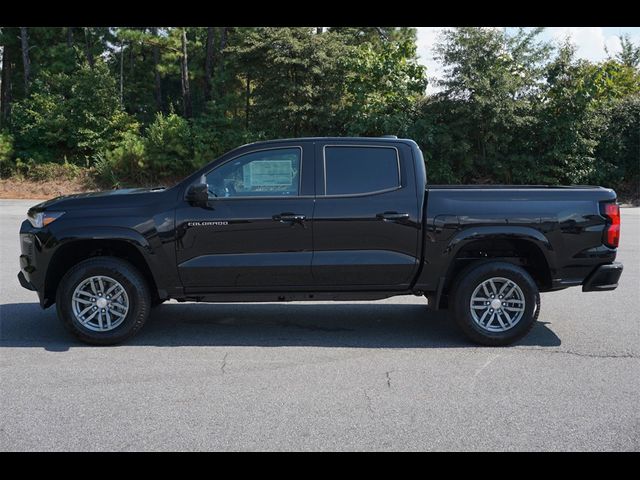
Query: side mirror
pixel 198 194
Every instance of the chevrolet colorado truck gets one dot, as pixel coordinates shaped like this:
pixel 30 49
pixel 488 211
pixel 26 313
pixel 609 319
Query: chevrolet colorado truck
pixel 318 219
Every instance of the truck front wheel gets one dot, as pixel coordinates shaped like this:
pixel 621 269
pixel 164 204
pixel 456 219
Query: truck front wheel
pixel 103 300
pixel 495 303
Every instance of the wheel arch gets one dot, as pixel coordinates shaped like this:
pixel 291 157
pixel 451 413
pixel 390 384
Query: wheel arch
pixel 521 246
pixel 71 252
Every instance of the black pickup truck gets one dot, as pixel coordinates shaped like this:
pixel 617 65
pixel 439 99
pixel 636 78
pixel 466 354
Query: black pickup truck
pixel 318 219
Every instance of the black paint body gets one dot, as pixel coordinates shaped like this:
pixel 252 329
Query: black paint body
pixel 313 246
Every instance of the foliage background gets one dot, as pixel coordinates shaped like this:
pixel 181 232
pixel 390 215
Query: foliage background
pixel 149 104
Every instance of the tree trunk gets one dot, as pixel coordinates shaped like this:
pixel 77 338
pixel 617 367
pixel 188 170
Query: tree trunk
pixel 223 45
pixel 158 80
pixel 70 37
pixel 24 39
pixel 6 87
pixel 208 64
pixel 121 73
pixel 87 47
pixel 186 93
pixel 246 107
pixel 130 59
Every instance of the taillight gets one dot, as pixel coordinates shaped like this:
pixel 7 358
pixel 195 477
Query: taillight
pixel 612 231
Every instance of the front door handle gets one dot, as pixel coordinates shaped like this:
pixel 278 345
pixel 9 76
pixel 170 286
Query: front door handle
pixel 392 216
pixel 289 217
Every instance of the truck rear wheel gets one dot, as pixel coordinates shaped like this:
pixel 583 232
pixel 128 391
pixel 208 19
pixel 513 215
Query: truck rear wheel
pixel 495 303
pixel 103 300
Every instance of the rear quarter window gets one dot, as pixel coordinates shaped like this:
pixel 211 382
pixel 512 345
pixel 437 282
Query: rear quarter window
pixel 357 170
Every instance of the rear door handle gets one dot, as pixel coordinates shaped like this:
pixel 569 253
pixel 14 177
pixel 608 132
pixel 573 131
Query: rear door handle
pixel 392 216
pixel 289 217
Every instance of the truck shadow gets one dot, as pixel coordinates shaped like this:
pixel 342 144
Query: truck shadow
pixel 350 325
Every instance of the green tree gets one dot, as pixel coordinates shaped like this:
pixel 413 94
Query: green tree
pixel 383 83
pixel 149 103
pixel 629 54
pixel 618 150
pixel 214 132
pixel 297 86
pixel 579 99
pixel 488 104
pixel 69 116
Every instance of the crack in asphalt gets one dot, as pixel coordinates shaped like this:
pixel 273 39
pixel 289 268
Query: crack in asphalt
pixel 389 377
pixel 581 354
pixel 224 363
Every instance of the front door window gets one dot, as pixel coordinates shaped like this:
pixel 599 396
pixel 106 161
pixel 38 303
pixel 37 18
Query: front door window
pixel 267 173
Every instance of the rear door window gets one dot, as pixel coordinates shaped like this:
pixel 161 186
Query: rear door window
pixel 357 170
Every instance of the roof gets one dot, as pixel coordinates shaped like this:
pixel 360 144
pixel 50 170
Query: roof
pixel 338 139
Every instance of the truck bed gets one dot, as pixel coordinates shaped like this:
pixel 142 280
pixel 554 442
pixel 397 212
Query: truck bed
pixel 513 187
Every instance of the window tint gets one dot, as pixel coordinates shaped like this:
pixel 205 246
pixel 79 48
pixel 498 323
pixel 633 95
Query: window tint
pixel 266 173
pixel 352 170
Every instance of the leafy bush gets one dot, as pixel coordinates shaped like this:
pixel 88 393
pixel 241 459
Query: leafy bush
pixel 53 171
pixel 169 149
pixel 165 150
pixel 126 161
pixel 6 153
pixel 104 173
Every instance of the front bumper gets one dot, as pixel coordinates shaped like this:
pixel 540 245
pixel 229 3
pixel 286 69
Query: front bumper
pixel 603 278
pixel 31 274
pixel 26 283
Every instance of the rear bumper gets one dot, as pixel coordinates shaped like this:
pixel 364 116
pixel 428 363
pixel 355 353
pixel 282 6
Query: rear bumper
pixel 603 278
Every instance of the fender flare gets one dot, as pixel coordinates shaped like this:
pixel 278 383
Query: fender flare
pixel 471 234
pixel 69 235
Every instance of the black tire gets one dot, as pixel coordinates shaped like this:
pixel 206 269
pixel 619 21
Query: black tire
pixel 473 276
pixel 131 280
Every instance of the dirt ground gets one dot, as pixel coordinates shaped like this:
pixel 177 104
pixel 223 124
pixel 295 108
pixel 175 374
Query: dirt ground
pixel 18 188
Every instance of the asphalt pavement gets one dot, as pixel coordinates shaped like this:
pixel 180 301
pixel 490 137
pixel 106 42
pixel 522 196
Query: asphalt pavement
pixel 383 375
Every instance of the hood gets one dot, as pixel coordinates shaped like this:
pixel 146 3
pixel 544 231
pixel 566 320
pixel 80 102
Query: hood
pixel 108 198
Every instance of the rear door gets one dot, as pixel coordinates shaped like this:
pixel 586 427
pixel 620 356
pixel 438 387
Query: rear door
pixel 366 223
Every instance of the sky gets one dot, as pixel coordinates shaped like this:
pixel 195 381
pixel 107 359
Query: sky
pixel 590 43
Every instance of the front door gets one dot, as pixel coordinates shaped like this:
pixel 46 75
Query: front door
pixel 256 230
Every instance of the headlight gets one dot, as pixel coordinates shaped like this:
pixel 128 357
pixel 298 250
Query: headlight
pixel 42 219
